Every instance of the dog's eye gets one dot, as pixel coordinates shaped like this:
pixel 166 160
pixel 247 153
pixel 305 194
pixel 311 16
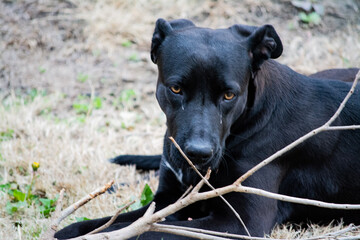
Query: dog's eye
pixel 229 95
pixel 175 89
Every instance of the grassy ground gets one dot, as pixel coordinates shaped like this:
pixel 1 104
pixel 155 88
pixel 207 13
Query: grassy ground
pixel 77 87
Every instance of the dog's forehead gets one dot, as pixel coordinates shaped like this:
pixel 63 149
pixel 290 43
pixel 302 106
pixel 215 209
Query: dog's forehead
pixel 203 39
pixel 203 48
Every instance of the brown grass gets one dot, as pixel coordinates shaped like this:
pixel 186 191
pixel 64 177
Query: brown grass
pixel 88 39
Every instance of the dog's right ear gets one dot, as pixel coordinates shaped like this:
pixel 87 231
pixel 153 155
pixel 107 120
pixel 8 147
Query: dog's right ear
pixel 162 29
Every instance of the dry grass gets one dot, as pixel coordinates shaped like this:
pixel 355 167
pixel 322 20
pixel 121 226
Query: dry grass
pixel 72 155
pixel 66 40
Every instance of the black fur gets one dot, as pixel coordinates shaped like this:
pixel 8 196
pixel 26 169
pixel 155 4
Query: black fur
pixel 141 161
pixel 199 71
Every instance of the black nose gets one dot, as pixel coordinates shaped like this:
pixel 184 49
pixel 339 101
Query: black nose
pixel 198 151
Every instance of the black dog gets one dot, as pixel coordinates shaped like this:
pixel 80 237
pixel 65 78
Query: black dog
pixel 152 162
pixel 229 107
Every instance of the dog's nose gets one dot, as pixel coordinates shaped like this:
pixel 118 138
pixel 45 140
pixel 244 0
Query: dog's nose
pixel 198 152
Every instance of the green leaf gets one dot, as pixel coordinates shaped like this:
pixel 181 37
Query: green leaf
pixel 82 77
pixel 146 196
pixel 18 195
pixel 14 207
pixel 42 70
pixel 48 206
pixel 46 202
pixel 127 95
pixel 314 18
pixel 134 58
pixel 81 219
pixel 5 187
pixel 311 18
pixel 33 94
pixel 81 119
pixel 97 102
pixel 81 108
pixel 126 43
pixel 304 17
pixel 6 135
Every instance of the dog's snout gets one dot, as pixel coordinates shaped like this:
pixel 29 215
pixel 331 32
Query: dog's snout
pixel 198 151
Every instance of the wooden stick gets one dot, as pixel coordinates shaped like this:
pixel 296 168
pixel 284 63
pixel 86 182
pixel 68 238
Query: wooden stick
pixel 69 210
pixel 112 219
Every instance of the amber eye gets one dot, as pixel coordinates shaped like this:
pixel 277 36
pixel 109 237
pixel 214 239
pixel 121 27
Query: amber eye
pixel 175 89
pixel 229 96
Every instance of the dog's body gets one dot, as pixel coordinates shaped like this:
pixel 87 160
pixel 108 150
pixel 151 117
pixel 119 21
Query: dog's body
pixel 229 107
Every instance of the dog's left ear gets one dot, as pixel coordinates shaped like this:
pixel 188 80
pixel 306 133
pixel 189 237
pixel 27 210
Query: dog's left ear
pixel 162 29
pixel 264 43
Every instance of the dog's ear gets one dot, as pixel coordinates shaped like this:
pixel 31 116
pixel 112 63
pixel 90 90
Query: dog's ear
pixel 162 29
pixel 264 43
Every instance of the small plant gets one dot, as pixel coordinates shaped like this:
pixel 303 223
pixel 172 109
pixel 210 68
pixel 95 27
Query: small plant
pixel 42 70
pixel 97 102
pixel 312 18
pixel 126 43
pixel 134 58
pixel 84 106
pixel 146 197
pixel 81 108
pixel 6 135
pixel 20 199
pixel 81 77
pixel 127 95
pixel 81 219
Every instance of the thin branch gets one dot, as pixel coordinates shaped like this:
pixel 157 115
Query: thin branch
pixel 342 105
pixel 186 192
pixel 186 233
pixel 303 201
pixel 112 219
pixel 69 210
pixel 160 227
pixel 208 183
pixel 350 127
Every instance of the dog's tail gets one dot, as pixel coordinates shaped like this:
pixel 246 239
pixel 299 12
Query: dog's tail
pixel 143 162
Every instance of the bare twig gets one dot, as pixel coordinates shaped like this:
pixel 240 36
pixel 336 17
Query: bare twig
pixel 333 235
pixel 186 192
pixel 336 128
pixel 145 223
pixel 112 219
pixel 69 210
pixel 303 201
pixel 186 233
pixel 161 227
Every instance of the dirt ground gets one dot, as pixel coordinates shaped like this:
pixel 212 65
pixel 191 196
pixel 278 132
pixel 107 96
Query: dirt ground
pixel 77 87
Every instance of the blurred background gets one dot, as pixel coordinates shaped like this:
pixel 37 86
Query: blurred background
pixel 77 87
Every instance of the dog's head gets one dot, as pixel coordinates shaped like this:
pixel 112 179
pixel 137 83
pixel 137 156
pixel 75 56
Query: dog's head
pixel 203 83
